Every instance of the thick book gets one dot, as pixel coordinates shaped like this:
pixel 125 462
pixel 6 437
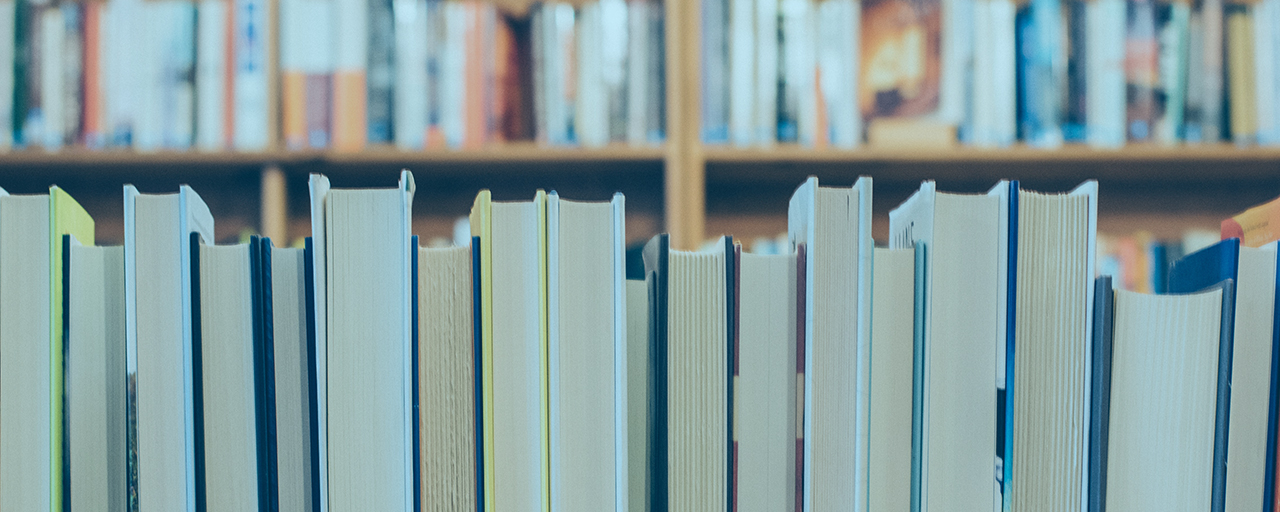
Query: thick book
pixel 1049 244
pixel 233 471
pixel 586 349
pixel 1251 418
pixel 512 297
pixel 96 391
pixel 447 376
pixel 764 401
pixel 32 353
pixel 285 283
pixel 893 368
pixel 362 258
pixel 158 286
pixel 1170 400
pixel 691 340
pixel 964 314
pixel 834 226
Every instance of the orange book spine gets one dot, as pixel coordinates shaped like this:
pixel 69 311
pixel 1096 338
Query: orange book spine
pixel 229 78
pixel 349 120
pixel 473 75
pixel 1255 227
pixel 92 114
pixel 293 108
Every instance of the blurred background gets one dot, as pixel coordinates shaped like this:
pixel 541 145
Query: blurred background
pixel 705 113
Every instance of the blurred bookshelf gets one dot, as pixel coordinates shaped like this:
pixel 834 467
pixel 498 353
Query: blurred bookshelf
pixel 682 185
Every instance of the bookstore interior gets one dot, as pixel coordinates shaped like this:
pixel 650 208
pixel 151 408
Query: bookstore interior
pixel 624 255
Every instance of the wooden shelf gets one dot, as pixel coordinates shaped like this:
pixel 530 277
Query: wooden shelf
pixel 1017 154
pixel 502 154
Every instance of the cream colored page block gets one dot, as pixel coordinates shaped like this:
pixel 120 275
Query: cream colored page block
pixel 697 382
pixel 586 358
pixel 24 353
pixel 446 378
pixel 365 344
pixel 892 353
pixel 962 343
pixel 161 444
pixel 1163 401
pixel 289 317
pixel 834 345
pixel 226 324
pixel 517 405
pixel 1250 379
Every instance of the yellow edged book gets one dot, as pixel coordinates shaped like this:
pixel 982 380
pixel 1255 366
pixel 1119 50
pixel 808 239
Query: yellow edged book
pixel 31 348
pixel 513 317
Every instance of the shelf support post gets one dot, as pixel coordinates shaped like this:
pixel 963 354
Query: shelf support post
pixel 275 205
pixel 685 191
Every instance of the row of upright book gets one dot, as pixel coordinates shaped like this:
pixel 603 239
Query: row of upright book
pixel 314 74
pixel 975 363
pixel 989 73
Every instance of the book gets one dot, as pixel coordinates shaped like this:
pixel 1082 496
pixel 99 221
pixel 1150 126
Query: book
pixel 8 24
pixel 410 91
pixel 1142 68
pixel 252 123
pixel 1205 74
pixel 349 87
pixel 1251 417
pixel 1105 68
pixel 716 83
pixel 294 411
pixel 797 91
pixel 586 354
pixel 159 334
pixel 1256 226
pixel 1266 46
pixel 1241 66
pixel 363 309
pixel 1042 48
pixel 305 75
pixel 834 226
pixel 1049 244
pixel 764 401
pixel 742 69
pixel 766 73
pixel 32 353
pixel 691 374
pixel 381 77
pixel 1170 368
pixel 230 323
pixel 638 387
pixel 965 298
pixel 1100 388
pixel 838 72
pixel 1173 26
pixel 447 373
pixel 893 372
pixel 1076 45
pixel 212 18
pixel 646 71
pixel 95 375
pixel 512 240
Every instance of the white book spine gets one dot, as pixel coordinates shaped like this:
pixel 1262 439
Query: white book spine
pixel 591 116
pixel 178 107
pixel 638 78
pixel 411 73
pixel 1004 101
pixel 51 55
pixel 981 122
pixel 766 111
pixel 148 126
pixel 1265 73
pixel 251 33
pixel 742 68
pixel 957 59
pixel 801 66
pixel 1104 57
pixel 211 55
pixel 456 22
pixel 8 20
pixel 842 105
pixel 613 66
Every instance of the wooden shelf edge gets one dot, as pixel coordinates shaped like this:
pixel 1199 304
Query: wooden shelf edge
pixel 794 154
pixel 509 154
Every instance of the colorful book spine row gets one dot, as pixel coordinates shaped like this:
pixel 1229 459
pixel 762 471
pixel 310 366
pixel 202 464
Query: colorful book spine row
pixel 989 73
pixel 252 75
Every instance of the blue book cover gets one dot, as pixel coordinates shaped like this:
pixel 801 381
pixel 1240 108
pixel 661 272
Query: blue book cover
pixel 1198 271
pixel 1042 69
